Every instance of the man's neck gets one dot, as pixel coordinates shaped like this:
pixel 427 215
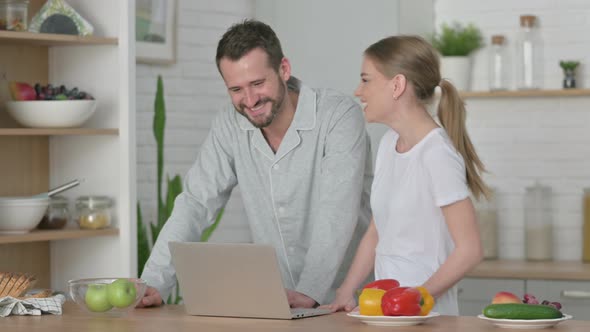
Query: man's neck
pixel 277 130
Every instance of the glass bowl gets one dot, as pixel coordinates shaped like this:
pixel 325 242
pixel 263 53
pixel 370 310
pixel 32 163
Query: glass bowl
pixel 113 296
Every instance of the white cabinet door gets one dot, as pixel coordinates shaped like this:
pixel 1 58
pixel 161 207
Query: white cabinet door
pixel 476 293
pixel 574 296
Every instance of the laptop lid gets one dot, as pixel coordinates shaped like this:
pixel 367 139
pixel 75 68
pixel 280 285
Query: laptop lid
pixel 232 280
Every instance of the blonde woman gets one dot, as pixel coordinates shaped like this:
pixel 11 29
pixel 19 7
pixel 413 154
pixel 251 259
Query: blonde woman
pixel 424 230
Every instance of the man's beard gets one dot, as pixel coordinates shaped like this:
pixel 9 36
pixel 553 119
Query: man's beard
pixel 264 120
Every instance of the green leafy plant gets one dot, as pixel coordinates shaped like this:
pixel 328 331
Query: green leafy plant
pixel 569 65
pixel 457 40
pixel 146 237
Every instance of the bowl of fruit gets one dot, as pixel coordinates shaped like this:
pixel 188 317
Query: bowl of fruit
pixel 112 296
pixel 48 106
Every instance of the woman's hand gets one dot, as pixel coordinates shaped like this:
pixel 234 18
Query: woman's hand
pixel 344 301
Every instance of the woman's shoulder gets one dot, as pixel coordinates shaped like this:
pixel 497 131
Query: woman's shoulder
pixel 439 147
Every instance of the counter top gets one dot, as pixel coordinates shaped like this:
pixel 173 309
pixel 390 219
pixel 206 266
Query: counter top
pixel 173 318
pixel 520 269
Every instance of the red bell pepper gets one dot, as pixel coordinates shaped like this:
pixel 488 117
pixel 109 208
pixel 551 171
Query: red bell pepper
pixel 384 284
pixel 401 301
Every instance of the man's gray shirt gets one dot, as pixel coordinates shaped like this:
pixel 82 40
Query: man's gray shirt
pixel 304 200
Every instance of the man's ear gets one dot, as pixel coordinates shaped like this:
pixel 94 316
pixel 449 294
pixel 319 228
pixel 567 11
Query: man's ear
pixel 285 69
pixel 399 85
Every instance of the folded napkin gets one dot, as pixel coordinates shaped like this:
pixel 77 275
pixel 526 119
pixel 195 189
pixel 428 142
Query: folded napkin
pixel 31 306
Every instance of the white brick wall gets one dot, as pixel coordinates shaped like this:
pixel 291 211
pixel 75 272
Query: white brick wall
pixel 522 140
pixel 194 93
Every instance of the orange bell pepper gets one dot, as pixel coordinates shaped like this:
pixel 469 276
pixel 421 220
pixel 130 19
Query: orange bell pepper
pixel 370 302
pixel 401 301
pixel 427 301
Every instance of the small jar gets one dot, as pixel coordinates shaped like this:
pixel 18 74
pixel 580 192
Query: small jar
pixel 57 215
pixel 93 212
pixel 14 15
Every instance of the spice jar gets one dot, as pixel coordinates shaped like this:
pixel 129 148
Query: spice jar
pixel 57 215
pixel 14 15
pixel 487 218
pixel 586 226
pixel 538 223
pixel 94 212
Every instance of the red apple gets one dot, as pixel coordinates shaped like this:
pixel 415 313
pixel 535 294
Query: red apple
pixel 505 297
pixel 22 91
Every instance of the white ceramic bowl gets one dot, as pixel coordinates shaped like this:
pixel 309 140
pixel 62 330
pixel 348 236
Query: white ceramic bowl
pixel 21 214
pixel 51 113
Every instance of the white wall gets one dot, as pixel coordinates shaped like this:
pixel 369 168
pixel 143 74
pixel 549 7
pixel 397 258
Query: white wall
pixel 194 92
pixel 526 139
pixel 325 39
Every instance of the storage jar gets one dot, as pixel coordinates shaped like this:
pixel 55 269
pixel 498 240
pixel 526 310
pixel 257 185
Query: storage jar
pixel 57 215
pixel 93 212
pixel 14 15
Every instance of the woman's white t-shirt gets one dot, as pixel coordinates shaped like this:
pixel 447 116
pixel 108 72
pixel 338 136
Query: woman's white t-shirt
pixel 408 192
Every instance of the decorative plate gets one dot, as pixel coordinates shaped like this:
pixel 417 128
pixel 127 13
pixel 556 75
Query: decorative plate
pixel 525 323
pixel 392 320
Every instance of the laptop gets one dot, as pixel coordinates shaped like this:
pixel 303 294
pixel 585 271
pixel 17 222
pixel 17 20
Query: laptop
pixel 233 280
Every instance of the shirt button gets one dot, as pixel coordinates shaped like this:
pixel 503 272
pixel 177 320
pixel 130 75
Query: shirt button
pixel 275 167
pixel 282 210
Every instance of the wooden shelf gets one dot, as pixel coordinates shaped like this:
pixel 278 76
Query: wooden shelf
pixel 526 93
pixel 521 269
pixel 49 39
pixel 61 234
pixel 58 131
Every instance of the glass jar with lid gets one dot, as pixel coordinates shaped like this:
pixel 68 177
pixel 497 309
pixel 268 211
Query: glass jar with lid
pixel 538 222
pixel 14 15
pixel 529 54
pixel 586 226
pixel 487 218
pixel 94 212
pixel 498 64
pixel 57 215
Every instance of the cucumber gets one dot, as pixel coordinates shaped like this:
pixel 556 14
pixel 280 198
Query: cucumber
pixel 521 311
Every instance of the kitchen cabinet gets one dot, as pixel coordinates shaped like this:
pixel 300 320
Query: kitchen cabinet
pixel 475 293
pixel 102 152
pixel 574 296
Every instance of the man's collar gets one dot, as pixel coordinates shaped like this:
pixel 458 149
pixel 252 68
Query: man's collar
pixel 305 113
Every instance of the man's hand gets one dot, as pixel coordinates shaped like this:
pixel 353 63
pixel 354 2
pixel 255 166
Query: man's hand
pixel 298 300
pixel 151 298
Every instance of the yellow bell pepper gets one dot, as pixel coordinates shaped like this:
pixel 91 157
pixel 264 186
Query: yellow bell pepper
pixel 427 301
pixel 370 302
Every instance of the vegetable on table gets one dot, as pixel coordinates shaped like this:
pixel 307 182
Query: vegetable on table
pixel 401 301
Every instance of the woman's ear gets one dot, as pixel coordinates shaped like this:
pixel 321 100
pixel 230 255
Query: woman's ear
pixel 399 85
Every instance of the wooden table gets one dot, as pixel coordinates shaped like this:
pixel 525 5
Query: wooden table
pixel 172 318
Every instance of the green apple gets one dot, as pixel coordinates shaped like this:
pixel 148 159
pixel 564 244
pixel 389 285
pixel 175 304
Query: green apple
pixel 96 298
pixel 121 293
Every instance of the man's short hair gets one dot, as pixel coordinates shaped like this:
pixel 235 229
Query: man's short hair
pixel 241 38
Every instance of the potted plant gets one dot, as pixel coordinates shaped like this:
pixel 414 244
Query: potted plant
pixel 455 43
pixel 569 72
